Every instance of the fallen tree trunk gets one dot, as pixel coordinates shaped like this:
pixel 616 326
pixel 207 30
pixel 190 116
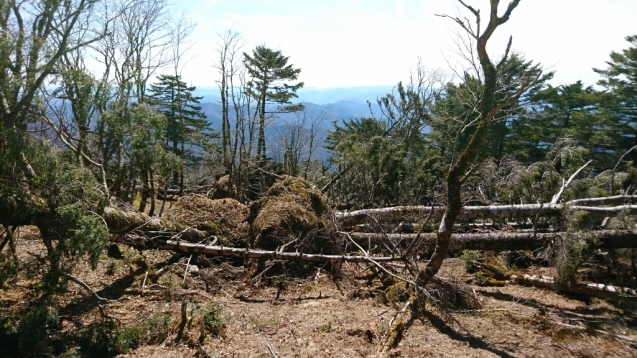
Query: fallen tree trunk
pixel 590 289
pixel 399 213
pixel 499 241
pixel 608 200
pixel 242 253
pixel 121 221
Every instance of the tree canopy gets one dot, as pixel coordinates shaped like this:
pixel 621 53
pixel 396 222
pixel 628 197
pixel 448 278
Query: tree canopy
pixel 269 76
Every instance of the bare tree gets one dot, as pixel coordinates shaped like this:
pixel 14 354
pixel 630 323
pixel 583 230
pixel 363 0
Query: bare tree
pixel 228 64
pixel 136 47
pixel 179 41
pixel 138 44
pixel 300 139
pixel 488 107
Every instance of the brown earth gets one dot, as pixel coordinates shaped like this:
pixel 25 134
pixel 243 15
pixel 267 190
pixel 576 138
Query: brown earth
pixel 323 314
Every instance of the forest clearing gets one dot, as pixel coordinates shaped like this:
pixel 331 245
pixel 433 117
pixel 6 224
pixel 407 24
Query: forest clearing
pixel 480 213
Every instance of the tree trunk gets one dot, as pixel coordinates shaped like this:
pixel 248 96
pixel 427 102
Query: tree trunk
pixel 144 197
pixel 122 221
pixel 499 241
pixel 402 213
pixel 488 108
pixel 151 212
pixel 241 253
pixel 589 289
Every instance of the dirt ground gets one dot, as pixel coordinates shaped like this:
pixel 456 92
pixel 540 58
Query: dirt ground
pixel 324 314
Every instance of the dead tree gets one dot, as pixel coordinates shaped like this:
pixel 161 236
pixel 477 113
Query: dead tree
pixel 244 253
pixel 488 106
pixel 623 204
pixel 497 241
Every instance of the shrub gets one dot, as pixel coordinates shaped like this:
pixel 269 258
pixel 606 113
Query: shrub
pixel 214 320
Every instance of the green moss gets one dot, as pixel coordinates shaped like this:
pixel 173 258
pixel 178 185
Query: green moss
pixel 397 292
pixel 291 209
pixel 211 227
pixel 566 335
pixel 489 281
pixel 326 327
pixel 491 270
pixel 224 218
pixel 396 333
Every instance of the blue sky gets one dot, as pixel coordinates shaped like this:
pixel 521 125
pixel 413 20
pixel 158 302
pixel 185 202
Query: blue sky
pixel 348 43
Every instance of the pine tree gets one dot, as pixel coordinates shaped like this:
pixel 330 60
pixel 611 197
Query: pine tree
pixel 269 72
pixel 187 128
pixel 620 80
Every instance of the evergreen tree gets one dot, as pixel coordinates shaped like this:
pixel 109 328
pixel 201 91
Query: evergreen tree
pixel 187 127
pixel 620 80
pixel 563 113
pixel 455 111
pixel 269 72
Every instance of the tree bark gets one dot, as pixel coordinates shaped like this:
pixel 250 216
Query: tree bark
pixel 590 289
pixel 241 253
pixel 488 107
pixel 401 213
pixel 498 241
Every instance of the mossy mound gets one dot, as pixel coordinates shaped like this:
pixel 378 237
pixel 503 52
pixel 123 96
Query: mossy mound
pixel 292 209
pixel 225 218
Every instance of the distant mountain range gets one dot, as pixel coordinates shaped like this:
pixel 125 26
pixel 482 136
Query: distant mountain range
pixel 335 95
pixel 317 95
pixel 339 103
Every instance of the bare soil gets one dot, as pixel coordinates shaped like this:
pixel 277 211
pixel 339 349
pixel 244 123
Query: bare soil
pixel 326 313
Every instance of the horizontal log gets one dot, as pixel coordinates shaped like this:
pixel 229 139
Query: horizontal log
pixel 399 213
pixel 500 241
pixel 242 253
pixel 608 200
pixel 590 289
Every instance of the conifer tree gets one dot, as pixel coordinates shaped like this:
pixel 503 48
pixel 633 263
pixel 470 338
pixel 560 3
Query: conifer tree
pixel 269 72
pixel 187 128
pixel 620 80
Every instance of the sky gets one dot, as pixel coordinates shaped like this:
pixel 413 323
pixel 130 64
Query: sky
pixel 351 43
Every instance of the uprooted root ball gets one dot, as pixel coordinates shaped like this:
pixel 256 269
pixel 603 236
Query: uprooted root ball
pixel 292 210
pixel 225 218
